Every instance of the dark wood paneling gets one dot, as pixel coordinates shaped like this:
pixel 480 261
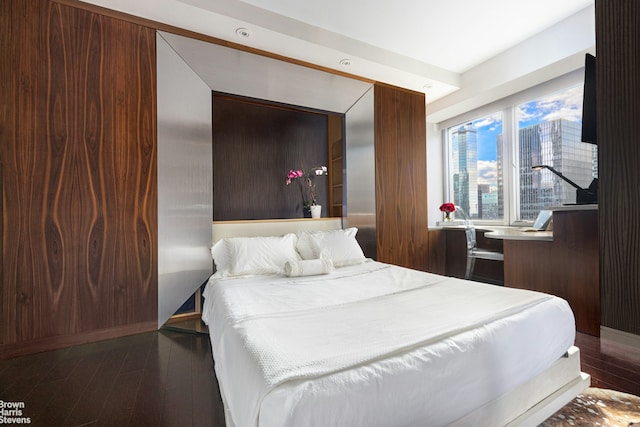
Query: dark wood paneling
pixel 255 144
pixel 78 149
pixel 335 143
pixel 401 177
pixel 437 252
pixel 456 250
pixel 566 267
pixel 618 109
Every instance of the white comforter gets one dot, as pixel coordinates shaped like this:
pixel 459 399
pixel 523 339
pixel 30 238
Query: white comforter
pixel 375 344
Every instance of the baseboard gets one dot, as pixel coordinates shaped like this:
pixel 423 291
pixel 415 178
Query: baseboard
pixel 176 318
pixel 620 337
pixel 11 350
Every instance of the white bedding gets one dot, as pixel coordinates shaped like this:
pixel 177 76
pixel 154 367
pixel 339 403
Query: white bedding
pixel 374 344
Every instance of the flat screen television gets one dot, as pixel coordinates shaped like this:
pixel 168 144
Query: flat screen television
pixel 589 125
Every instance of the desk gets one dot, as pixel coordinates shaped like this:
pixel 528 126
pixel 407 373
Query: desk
pixel 564 262
pixel 513 233
pixel 448 253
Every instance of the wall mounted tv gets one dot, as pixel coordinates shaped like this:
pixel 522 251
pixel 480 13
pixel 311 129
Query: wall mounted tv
pixel 589 128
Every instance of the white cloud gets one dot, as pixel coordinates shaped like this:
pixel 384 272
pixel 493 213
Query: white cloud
pixel 561 105
pixel 488 173
pixel 491 120
pixel 566 113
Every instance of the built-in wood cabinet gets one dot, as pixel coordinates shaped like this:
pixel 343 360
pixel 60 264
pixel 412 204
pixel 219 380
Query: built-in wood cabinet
pixel 401 177
pixel 78 156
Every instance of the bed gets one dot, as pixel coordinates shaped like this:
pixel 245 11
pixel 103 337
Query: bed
pixel 307 331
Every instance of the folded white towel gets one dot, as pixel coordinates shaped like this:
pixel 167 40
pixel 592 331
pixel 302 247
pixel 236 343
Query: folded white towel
pixel 308 267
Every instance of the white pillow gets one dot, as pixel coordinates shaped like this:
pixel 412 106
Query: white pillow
pixel 308 267
pixel 340 246
pixel 238 256
pixel 306 246
pixel 220 255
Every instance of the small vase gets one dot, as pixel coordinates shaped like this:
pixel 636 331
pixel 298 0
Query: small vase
pixel 447 216
pixel 316 211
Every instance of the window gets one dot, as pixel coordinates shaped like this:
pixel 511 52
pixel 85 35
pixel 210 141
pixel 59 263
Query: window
pixel 549 133
pixel 489 169
pixel 475 166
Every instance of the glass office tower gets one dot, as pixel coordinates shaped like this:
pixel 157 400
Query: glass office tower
pixel 557 144
pixel 465 169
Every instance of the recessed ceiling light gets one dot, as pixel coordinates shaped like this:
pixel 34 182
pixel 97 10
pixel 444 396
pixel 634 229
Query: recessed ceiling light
pixel 427 86
pixel 345 62
pixel 243 33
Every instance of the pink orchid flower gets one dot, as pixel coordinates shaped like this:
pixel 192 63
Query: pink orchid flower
pixel 294 174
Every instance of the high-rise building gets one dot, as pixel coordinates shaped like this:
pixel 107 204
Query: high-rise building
pixel 557 144
pixel 500 176
pixel 489 205
pixel 465 168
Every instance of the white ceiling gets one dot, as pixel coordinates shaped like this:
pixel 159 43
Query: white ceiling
pixel 455 35
pixel 433 46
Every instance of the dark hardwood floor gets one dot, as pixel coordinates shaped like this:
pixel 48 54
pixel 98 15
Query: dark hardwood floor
pixel 611 365
pixel 162 378
pixel 166 378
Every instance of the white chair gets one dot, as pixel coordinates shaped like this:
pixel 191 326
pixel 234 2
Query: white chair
pixel 473 252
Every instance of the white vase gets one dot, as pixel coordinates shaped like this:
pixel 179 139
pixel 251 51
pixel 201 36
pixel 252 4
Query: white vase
pixel 316 211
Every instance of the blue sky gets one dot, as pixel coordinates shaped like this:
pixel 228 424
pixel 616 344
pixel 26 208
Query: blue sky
pixel 566 104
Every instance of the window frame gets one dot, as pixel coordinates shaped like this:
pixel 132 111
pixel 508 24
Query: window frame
pixel 508 106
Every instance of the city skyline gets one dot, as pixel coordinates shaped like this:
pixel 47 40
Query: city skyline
pixel 566 104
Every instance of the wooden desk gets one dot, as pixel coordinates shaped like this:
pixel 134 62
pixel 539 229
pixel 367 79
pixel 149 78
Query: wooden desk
pixel 564 262
pixel 566 266
pixel 448 249
pixel 515 234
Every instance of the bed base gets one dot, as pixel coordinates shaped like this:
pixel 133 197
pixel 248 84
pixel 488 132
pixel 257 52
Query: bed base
pixel 535 401
pixel 528 405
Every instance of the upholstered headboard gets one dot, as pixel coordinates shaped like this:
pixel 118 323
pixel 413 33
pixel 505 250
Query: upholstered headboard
pixel 271 227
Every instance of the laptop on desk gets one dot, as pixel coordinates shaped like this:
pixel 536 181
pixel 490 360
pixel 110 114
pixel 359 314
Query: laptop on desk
pixel 542 222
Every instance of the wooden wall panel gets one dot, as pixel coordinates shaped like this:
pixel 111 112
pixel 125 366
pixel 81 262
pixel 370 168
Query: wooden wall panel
pixel 566 267
pixel 401 177
pixel 335 145
pixel 255 144
pixel 78 155
pixel 437 262
pixel 618 96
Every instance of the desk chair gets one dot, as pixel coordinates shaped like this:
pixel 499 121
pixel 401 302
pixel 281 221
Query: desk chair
pixel 473 252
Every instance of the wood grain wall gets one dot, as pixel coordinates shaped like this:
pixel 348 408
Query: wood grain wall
pixel 78 156
pixel 566 267
pixel 618 110
pixel 335 177
pixel 401 177
pixel 255 144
